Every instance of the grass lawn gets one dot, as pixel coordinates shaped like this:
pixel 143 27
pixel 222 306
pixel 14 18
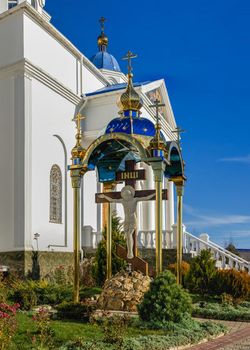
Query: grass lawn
pixel 67 331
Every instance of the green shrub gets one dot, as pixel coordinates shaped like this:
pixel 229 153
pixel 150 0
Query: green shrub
pixel 99 267
pixel 23 293
pixel 74 311
pixel 31 293
pixel 232 282
pixel 201 274
pixel 165 301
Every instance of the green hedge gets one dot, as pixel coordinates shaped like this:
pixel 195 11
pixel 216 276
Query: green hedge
pixel 74 311
pixel 222 311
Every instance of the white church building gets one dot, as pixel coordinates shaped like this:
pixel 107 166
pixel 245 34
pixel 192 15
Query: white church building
pixel 44 81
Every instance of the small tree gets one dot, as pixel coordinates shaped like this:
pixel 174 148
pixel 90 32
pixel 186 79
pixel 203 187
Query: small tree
pixel 201 273
pixel 231 248
pixel 165 301
pixel 100 266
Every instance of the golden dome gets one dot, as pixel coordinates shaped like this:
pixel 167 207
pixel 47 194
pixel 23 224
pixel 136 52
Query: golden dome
pixel 78 151
pixel 130 99
pixel 102 41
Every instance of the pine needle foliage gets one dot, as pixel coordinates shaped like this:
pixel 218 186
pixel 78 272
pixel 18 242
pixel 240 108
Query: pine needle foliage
pixel 165 301
pixel 100 266
pixel 201 273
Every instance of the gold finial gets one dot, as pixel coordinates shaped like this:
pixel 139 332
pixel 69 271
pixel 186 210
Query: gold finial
pixel 102 39
pixel 78 151
pixel 130 99
pixel 178 131
pixel 157 104
pixel 157 142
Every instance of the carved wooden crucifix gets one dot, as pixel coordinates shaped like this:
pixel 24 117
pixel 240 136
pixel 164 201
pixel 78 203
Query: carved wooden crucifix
pixel 129 176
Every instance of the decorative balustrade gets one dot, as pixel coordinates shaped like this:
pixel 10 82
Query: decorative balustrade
pixel 191 244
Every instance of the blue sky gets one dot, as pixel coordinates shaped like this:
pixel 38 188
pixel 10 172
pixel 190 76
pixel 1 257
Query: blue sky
pixel 202 49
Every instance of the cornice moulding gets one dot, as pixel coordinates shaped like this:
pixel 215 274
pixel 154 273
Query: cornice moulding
pixel 30 70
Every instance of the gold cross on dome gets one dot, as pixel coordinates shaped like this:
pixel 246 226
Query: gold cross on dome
pixel 102 20
pixel 78 119
pixel 129 57
pixel 157 104
pixel 178 131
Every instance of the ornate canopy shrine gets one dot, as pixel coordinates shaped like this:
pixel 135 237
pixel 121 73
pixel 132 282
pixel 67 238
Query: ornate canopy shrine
pixel 128 137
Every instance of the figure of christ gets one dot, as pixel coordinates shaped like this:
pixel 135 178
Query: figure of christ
pixel 129 203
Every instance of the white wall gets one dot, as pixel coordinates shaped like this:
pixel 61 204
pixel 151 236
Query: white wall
pixel 89 205
pixel 6 164
pixel 11 39
pixel 51 114
pixel 50 55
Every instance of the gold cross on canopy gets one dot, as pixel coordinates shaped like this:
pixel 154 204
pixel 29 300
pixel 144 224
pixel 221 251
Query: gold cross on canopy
pixel 157 104
pixel 129 57
pixel 102 20
pixel 78 119
pixel 178 131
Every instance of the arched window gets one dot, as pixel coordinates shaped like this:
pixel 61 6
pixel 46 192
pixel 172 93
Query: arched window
pixel 55 195
pixel 12 3
pixel 33 3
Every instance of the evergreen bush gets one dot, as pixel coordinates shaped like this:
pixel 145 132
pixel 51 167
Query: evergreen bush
pixel 165 301
pixel 201 274
pixel 99 267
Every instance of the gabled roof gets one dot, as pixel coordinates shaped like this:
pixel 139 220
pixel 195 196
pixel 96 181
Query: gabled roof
pixel 114 87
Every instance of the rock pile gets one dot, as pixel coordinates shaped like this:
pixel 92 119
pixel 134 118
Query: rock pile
pixel 124 291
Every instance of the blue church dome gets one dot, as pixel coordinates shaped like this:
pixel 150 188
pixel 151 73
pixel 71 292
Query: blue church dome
pixel 104 60
pixel 126 125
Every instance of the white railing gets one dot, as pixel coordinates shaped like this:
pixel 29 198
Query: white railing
pixel 224 258
pixel 191 244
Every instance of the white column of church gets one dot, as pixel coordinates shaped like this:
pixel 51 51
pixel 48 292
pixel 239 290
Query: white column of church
pixel 170 209
pixel 148 215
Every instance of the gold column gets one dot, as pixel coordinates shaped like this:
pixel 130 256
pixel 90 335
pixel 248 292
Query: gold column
pixel 77 171
pixel 179 190
pixel 107 222
pixel 107 187
pixel 179 183
pixel 76 243
pixel 158 167
pixel 109 241
pixel 158 226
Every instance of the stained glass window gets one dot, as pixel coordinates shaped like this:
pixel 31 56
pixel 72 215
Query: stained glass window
pixel 55 195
